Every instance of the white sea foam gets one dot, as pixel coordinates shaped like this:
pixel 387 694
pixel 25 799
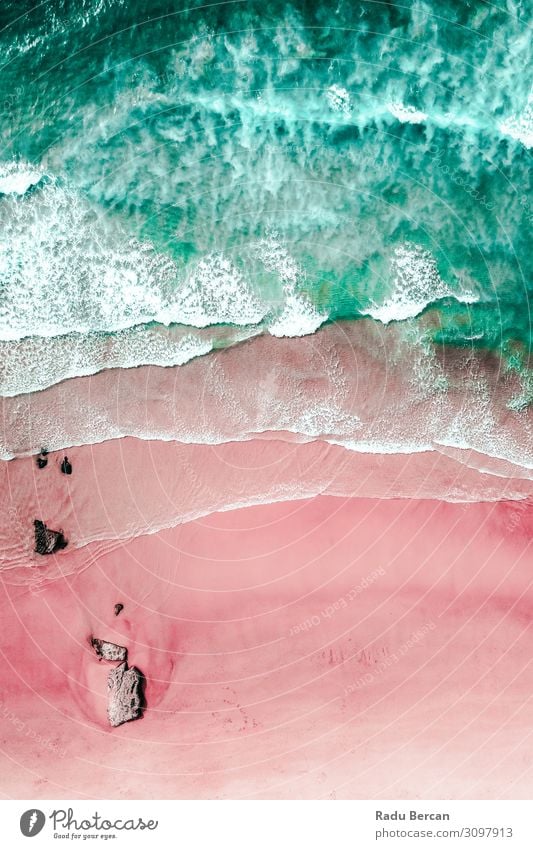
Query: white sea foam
pixel 406 114
pixel 16 177
pixel 67 268
pixel 339 99
pixel 520 127
pixel 34 363
pixel 215 292
pixel 298 317
pixel 275 256
pixel 416 283
pixel 381 446
pixel 322 418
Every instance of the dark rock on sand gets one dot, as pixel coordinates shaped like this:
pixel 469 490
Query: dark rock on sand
pixel 42 460
pixel 66 467
pixel 47 541
pixel 118 608
pixel 109 651
pixel 125 696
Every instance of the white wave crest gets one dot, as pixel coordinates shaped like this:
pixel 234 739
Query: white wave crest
pixel 520 127
pixel 416 284
pixel 67 268
pixel 406 114
pixel 339 99
pixel 299 317
pixel 215 292
pixel 17 177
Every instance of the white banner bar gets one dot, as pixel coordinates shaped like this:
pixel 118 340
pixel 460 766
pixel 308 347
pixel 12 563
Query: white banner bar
pixel 269 825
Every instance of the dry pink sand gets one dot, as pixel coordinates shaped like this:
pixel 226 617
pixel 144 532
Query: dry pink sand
pixel 328 647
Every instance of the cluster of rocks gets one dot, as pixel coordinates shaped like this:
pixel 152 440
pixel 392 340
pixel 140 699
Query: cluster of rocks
pixel 125 684
pixel 42 462
pixel 48 541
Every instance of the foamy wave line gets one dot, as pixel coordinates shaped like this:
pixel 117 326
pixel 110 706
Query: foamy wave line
pixel 17 177
pixel 34 364
pixel 289 433
pixel 356 385
pixel 54 242
pixel 416 284
pixel 398 309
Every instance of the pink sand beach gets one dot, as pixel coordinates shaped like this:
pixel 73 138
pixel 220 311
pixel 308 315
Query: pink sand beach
pixel 314 616
pixel 328 647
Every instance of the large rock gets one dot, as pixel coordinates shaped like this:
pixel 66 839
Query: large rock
pixel 109 651
pixel 125 697
pixel 47 541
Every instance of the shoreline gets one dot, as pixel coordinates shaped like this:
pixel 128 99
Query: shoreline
pixel 165 484
pixel 314 387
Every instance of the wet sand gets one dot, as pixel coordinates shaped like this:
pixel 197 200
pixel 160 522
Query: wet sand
pixel 122 488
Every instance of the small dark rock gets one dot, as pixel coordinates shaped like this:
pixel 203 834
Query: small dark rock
pixel 125 694
pixel 118 609
pixel 109 651
pixel 47 541
pixel 66 467
pixel 41 459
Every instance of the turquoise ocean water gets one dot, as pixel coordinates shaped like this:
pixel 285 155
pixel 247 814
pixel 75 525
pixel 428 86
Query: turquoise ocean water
pixel 231 168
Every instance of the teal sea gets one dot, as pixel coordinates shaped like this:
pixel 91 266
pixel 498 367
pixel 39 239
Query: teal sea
pixel 175 179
